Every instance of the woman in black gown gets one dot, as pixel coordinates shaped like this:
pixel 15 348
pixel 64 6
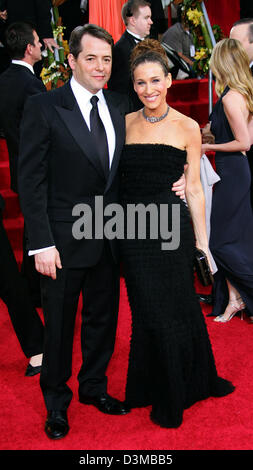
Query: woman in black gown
pixel 171 365
pixel 231 218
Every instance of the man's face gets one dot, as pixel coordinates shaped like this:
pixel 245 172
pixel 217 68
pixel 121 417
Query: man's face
pixel 142 22
pixel 241 33
pixel 36 48
pixel 92 67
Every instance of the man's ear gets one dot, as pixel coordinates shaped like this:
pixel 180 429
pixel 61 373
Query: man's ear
pixel 131 21
pixel 28 50
pixel 71 61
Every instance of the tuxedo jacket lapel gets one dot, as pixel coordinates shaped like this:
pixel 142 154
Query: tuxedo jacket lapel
pixel 71 115
pixel 119 127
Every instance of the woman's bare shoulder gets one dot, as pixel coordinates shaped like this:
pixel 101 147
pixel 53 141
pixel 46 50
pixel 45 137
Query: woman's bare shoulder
pixel 131 116
pixel 233 97
pixel 186 123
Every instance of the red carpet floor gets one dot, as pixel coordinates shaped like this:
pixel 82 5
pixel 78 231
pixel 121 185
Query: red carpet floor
pixel 213 424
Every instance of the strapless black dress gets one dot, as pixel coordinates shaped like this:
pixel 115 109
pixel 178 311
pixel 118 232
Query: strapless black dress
pixel 171 365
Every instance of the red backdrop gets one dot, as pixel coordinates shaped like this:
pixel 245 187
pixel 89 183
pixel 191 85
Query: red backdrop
pixel 223 12
pixel 107 13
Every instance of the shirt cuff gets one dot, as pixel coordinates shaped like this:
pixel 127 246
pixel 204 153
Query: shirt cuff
pixel 35 252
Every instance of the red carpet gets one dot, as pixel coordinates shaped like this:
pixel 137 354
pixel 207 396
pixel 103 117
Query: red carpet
pixel 214 424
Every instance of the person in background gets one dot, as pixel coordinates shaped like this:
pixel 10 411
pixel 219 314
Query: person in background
pixel 231 216
pixel 136 15
pixel 17 83
pixel 73 13
pixel 160 24
pixel 36 12
pixel 242 30
pixel 246 9
pixel 14 292
pixel 179 38
pixel 4 57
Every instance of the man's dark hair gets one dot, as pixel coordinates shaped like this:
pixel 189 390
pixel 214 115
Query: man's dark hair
pixel 248 21
pixel 77 34
pixel 131 7
pixel 17 37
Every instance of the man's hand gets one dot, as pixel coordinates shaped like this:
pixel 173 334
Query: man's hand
pixel 50 43
pixel 179 187
pixel 47 261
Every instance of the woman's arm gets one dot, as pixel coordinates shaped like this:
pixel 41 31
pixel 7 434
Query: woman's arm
pixel 194 191
pixel 237 114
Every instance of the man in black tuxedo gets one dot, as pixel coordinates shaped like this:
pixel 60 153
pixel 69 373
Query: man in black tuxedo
pixel 15 294
pixel 62 164
pixel 16 84
pixel 136 15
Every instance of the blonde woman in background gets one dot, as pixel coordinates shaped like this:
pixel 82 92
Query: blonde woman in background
pixel 232 219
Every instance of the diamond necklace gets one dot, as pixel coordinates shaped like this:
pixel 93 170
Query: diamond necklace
pixel 153 119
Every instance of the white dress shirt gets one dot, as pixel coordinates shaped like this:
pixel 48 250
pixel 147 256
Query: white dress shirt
pixel 22 62
pixel 83 97
pixel 135 36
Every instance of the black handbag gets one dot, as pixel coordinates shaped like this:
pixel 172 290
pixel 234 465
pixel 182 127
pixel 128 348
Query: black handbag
pixel 202 268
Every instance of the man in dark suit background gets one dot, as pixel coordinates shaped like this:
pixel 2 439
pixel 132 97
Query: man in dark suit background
pixel 136 15
pixel 36 12
pixel 160 23
pixel 62 164
pixel 72 15
pixel 246 9
pixel 242 30
pixel 16 84
pixel 15 294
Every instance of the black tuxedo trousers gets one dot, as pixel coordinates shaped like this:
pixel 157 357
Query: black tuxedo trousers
pixel 99 287
pixel 15 294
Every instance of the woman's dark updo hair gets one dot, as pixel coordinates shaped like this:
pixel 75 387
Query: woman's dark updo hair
pixel 149 50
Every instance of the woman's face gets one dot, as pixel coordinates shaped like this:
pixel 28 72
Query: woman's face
pixel 151 84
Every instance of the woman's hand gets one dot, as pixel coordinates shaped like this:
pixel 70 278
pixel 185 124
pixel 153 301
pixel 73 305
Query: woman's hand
pixel 207 136
pixel 205 148
pixel 205 249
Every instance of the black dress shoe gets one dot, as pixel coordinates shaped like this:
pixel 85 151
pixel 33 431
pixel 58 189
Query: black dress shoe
pixel 31 371
pixel 106 404
pixel 205 298
pixel 56 425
